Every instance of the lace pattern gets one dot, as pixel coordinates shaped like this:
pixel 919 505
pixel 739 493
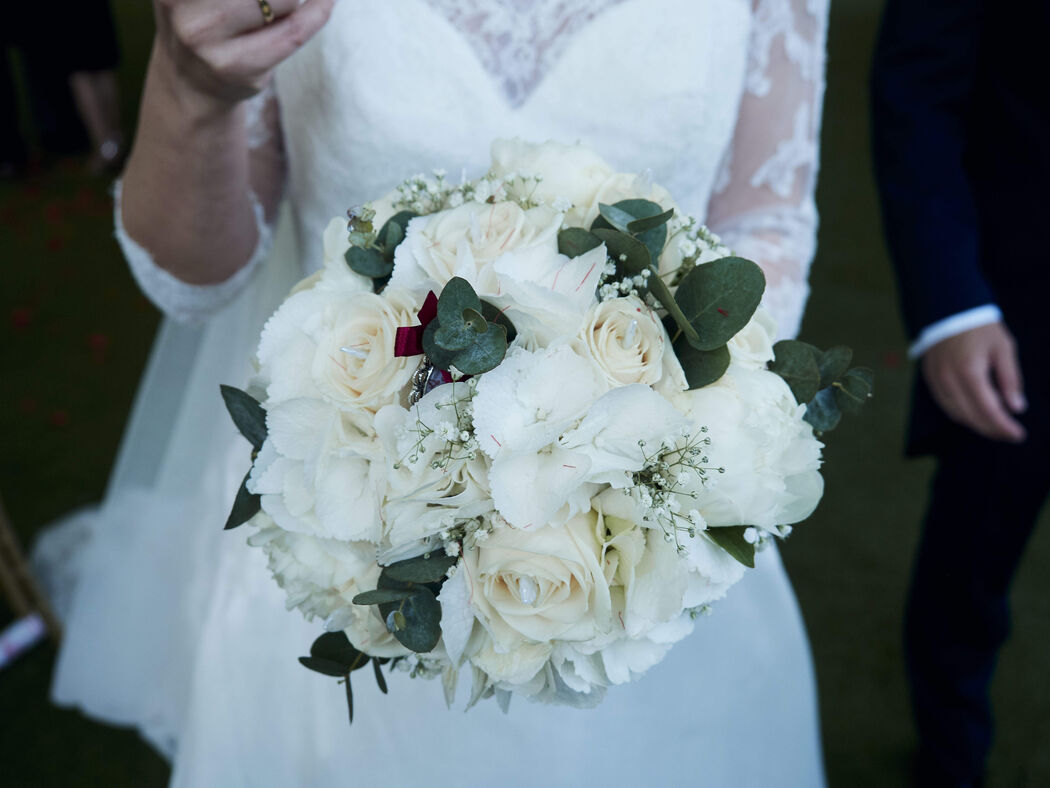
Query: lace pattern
pixel 182 301
pixel 517 40
pixel 764 204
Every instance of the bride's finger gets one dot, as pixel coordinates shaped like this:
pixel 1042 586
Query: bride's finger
pixel 197 22
pixel 262 49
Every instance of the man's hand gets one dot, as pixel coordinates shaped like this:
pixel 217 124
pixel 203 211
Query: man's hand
pixel 976 379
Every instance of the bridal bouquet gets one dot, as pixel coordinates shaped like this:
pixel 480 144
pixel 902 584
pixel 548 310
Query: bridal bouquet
pixel 534 424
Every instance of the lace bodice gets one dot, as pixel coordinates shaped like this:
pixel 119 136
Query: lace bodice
pixel 720 99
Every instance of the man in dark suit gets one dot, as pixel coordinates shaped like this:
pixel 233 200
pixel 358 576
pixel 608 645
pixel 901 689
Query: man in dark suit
pixel 962 152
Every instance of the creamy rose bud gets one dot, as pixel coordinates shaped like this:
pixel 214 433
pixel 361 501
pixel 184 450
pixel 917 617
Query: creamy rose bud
pixel 466 241
pixel 625 340
pixel 568 172
pixel 542 584
pixel 624 186
pixel 354 364
pixel 752 346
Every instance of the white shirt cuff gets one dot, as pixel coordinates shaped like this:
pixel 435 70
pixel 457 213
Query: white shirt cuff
pixel 956 324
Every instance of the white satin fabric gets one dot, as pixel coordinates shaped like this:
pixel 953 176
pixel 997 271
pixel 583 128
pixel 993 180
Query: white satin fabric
pixel 177 628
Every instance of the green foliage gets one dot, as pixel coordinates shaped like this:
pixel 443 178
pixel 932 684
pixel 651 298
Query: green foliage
pixel 823 381
pixel 332 654
pixel 797 364
pixel 642 219
pixel 718 299
pixel 407 599
pixel 854 389
pixel 373 255
pixel 574 241
pixel 701 367
pixel 245 505
pixel 246 413
pixel 731 539
pixel 250 418
pixel 427 568
pixel 461 335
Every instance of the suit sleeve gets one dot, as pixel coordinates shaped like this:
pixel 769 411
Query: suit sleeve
pixel 922 83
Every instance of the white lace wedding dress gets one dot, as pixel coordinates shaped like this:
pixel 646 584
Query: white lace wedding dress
pixel 176 626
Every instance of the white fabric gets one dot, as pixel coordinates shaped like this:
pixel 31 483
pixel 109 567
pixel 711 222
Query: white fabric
pixel 185 302
pixel 177 627
pixel 955 324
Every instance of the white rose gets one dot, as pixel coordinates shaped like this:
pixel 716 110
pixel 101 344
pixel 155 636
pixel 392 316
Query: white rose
pixel 540 585
pixel 468 240
pixel 625 340
pixel 568 172
pixel 366 375
pixel 752 346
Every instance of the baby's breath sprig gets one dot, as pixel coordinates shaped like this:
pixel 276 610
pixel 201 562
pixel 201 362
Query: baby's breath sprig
pixel 662 482
pixel 695 242
pixel 456 432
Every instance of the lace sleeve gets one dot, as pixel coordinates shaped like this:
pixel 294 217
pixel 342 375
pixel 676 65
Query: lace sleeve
pixel 188 303
pixel 763 206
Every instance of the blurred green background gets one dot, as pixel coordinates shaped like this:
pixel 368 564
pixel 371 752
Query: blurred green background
pixel 76 333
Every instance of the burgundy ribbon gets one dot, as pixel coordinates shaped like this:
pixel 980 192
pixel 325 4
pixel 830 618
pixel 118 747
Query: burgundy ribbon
pixel 409 339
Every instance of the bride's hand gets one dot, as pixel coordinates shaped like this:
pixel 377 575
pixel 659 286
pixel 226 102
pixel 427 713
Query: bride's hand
pixel 223 51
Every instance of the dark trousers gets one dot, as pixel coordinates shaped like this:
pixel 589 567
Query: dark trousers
pixel 985 500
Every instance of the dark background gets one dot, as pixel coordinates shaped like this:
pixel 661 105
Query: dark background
pixel 76 333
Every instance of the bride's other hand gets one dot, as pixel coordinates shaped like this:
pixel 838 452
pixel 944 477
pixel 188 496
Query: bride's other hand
pixel 193 181
pixel 225 50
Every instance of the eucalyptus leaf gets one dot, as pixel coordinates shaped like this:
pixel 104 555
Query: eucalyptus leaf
pixel 795 362
pixel 383 597
pixel 325 666
pixel 719 298
pixel 245 506
pixel 486 353
pixel 368 262
pixel 648 223
pixel 456 296
pixel 496 315
pixel 454 336
pixel 731 539
pixel 629 255
pixel 641 211
pixel 476 321
pixel 833 363
pixel 247 414
pixel 701 367
pixel 421 629
pixel 429 568
pixel 336 647
pixel 658 287
pixel 574 241
pixel 349 701
pixel 823 412
pixel 614 217
pixel 439 357
pixel 854 389
pixel 389 238
pixel 380 678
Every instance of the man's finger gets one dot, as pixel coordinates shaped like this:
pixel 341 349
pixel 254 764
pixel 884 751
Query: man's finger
pixel 996 422
pixel 1008 376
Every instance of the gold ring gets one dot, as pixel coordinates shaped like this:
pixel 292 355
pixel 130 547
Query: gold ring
pixel 267 11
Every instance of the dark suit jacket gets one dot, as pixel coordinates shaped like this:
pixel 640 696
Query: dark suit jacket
pixel 961 133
